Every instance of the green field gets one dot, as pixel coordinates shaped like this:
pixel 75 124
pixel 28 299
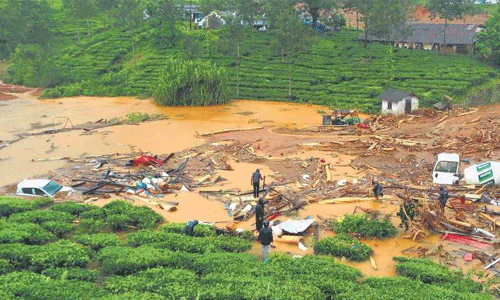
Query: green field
pixel 119 251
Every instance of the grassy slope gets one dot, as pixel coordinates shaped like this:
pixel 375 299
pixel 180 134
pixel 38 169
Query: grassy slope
pixel 337 71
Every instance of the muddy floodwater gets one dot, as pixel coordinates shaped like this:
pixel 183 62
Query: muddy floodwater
pixel 27 158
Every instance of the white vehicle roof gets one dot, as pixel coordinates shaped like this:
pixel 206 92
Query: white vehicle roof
pixel 33 183
pixel 448 157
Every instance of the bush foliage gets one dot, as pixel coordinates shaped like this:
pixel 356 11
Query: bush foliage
pixel 9 206
pixel 365 226
pixel 163 264
pixel 196 82
pixel 343 245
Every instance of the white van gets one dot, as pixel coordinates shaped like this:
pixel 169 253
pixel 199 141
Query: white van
pixel 446 169
pixel 40 188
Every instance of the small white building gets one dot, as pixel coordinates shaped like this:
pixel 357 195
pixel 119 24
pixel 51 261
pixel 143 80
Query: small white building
pixel 398 102
pixel 213 20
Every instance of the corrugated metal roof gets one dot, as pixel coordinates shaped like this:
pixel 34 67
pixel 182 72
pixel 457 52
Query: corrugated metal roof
pixel 394 95
pixel 456 34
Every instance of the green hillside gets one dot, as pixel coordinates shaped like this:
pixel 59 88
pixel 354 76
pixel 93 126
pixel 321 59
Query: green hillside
pixel 337 70
pixel 119 251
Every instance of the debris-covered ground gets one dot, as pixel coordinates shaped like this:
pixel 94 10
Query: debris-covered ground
pixel 197 163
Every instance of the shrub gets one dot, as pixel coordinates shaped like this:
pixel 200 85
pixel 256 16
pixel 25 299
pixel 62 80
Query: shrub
pixel 200 230
pixel 179 242
pixel 404 288
pixel 170 283
pixel 60 229
pixel 194 82
pixel 133 295
pixel 72 274
pixel 90 226
pixel 343 246
pixel 10 206
pixel 121 215
pixel 124 260
pixel 430 272
pixel 364 225
pixel 72 207
pixel 27 233
pixel 98 240
pixel 5 266
pixel 41 216
pixel 36 258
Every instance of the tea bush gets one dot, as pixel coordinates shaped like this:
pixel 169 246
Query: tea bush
pixel 72 207
pixel 430 272
pixel 27 285
pixel 169 283
pixel 179 242
pixel 394 288
pixel 40 217
pixel 364 225
pixel 124 260
pixel 343 246
pixel 98 241
pixel 9 206
pixel 72 274
pixel 60 229
pixel 27 233
pixel 200 230
pixel 163 268
pixel 36 258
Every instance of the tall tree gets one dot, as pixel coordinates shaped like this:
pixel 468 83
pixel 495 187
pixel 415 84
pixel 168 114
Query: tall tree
pixel 234 34
pixel 489 38
pixel 130 15
pixel 450 10
pixel 382 18
pixel 162 16
pixel 78 10
pixel 292 38
pixel 274 8
pixel 316 7
pixel 24 22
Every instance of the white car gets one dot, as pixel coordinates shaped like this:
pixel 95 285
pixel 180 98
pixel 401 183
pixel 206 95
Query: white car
pixel 40 188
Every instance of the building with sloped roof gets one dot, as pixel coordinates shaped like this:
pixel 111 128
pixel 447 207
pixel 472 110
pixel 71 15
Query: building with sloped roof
pixel 398 102
pixel 458 38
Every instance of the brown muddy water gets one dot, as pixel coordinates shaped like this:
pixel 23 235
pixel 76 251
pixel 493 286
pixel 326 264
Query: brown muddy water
pixel 179 132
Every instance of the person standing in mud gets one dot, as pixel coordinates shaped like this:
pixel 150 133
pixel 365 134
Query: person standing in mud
pixel 259 214
pixel 443 197
pixel 189 228
pixel 377 189
pixel 265 239
pixel 255 181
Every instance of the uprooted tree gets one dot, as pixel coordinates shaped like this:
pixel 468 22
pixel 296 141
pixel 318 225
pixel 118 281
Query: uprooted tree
pixel 192 82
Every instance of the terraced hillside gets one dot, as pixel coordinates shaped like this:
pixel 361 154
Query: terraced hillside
pixel 337 70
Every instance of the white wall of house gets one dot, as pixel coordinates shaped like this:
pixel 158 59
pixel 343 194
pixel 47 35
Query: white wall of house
pixel 398 108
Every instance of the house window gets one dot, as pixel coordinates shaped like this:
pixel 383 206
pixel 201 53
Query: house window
pixel 389 105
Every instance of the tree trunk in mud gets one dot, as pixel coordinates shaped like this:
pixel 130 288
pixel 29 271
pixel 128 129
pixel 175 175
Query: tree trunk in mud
pixel 238 72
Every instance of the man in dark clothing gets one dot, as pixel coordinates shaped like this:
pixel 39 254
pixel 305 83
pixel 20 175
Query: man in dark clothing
pixel 265 239
pixel 189 228
pixel 443 197
pixel 377 189
pixel 259 214
pixel 255 181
